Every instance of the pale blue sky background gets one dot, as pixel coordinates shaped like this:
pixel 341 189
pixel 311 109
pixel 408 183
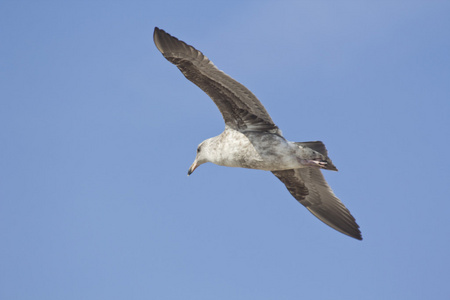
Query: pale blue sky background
pixel 98 131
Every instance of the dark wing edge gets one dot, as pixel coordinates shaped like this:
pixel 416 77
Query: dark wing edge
pixel 309 187
pixel 241 110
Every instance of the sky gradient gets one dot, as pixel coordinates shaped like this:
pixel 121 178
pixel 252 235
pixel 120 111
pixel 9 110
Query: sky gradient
pixel 98 131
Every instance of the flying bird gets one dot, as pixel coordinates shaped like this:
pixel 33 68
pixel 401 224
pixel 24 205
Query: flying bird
pixel 252 140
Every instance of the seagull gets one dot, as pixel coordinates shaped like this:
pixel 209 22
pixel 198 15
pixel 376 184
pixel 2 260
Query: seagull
pixel 252 140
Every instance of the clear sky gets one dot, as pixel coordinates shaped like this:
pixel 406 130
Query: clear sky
pixel 98 131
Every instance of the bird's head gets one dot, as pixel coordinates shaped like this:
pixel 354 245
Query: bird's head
pixel 201 158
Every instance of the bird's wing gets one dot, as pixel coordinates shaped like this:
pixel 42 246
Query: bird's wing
pixel 240 109
pixel 309 187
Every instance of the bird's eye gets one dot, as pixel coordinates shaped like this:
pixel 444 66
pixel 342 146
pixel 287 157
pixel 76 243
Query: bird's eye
pixel 198 149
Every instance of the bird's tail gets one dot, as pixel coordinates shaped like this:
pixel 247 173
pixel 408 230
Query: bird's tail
pixel 324 162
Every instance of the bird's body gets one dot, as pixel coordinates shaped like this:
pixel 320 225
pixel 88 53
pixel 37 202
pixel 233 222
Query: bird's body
pixel 252 140
pixel 259 150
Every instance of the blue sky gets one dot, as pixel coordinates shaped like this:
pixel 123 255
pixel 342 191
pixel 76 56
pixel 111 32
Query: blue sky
pixel 98 131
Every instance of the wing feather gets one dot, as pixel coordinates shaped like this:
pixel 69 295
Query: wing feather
pixel 310 188
pixel 241 110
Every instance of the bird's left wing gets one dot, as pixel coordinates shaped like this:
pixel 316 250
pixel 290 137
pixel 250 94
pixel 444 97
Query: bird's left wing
pixel 241 110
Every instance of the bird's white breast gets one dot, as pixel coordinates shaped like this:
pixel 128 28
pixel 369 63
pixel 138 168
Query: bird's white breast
pixel 253 150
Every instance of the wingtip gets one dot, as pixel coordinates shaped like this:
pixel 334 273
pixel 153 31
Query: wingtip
pixel 158 38
pixel 157 30
pixel 356 234
pixel 164 41
pixel 351 232
pixel 156 33
pixel 358 237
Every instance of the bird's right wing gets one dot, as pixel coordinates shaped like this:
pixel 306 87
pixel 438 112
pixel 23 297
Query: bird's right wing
pixel 241 110
pixel 309 187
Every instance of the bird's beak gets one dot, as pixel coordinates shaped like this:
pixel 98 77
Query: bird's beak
pixel 192 168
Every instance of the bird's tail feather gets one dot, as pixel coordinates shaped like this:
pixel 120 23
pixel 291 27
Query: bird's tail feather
pixel 319 147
